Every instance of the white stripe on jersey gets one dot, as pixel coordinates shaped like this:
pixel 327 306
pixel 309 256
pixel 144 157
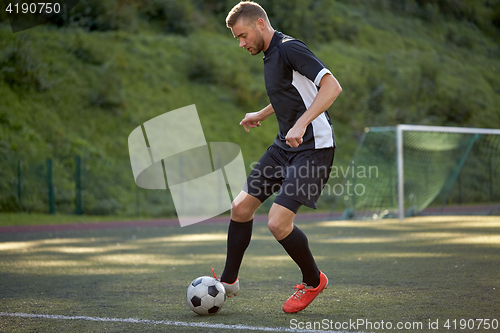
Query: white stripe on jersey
pixel 322 130
pixel 320 75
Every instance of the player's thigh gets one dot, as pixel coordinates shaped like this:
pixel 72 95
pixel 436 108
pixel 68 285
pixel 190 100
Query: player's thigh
pixel 267 175
pixel 306 178
pixel 244 207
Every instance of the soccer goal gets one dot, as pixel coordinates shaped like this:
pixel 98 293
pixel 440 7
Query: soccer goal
pixel 414 167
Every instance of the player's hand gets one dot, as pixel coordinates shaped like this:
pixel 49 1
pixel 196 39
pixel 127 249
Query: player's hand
pixel 294 136
pixel 251 120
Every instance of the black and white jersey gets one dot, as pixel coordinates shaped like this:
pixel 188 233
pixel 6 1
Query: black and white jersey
pixel 292 75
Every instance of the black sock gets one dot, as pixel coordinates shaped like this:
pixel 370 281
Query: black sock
pixel 238 238
pixel 297 247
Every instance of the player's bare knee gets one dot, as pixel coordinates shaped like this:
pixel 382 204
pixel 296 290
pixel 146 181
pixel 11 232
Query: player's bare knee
pixel 241 213
pixel 275 227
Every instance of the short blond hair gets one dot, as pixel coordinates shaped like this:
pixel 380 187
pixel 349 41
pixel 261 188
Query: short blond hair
pixel 246 10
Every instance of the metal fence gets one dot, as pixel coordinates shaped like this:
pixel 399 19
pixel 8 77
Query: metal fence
pixel 77 185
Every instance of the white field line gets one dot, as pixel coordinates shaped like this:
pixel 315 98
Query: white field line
pixel 164 322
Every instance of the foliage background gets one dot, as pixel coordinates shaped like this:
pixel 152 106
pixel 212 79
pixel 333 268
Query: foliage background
pixel 80 84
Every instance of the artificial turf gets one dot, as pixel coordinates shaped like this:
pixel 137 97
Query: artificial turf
pixel 419 270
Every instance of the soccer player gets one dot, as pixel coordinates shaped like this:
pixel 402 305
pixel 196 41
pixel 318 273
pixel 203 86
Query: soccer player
pixel 297 165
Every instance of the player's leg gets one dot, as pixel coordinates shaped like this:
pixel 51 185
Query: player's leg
pixel 293 240
pixel 307 175
pixel 244 207
pixel 304 181
pixel 267 173
pixel 295 243
pixel 239 234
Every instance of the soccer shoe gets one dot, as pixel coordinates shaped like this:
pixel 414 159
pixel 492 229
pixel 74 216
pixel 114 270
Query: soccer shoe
pixel 230 288
pixel 304 295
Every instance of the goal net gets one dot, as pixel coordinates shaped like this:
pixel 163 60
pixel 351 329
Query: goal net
pixel 400 171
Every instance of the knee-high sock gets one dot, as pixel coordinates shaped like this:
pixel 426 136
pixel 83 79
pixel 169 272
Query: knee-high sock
pixel 238 238
pixel 297 247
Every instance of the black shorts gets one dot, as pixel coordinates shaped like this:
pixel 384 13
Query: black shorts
pixel 297 177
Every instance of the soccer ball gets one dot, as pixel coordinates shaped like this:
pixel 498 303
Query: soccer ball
pixel 206 295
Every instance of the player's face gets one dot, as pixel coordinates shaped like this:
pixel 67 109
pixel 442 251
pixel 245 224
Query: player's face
pixel 251 38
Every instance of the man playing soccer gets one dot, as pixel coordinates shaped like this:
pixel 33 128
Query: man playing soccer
pixel 297 165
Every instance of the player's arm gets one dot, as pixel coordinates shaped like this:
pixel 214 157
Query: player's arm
pixel 328 92
pixel 253 119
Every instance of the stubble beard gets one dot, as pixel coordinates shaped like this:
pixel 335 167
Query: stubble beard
pixel 259 45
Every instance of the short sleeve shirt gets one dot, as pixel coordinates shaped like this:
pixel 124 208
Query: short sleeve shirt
pixel 292 75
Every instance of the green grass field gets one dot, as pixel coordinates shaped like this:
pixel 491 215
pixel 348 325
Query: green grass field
pixel 420 270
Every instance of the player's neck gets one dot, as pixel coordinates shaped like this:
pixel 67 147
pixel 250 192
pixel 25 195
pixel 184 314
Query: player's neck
pixel 268 36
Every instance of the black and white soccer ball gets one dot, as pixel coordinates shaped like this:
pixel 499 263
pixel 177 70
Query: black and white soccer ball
pixel 206 295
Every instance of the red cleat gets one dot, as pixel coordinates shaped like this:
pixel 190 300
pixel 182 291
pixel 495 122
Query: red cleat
pixel 304 295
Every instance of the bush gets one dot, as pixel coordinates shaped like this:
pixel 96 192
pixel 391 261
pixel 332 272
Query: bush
pixel 109 92
pixel 202 69
pixel 460 40
pixel 105 206
pixel 20 67
pixel 86 52
pixel 495 15
pixel 224 65
pixel 175 16
pixel 3 14
pixel 98 15
pixel 292 17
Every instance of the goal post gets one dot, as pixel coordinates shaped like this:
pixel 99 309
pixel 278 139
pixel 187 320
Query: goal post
pixel 475 132
pixel 418 165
